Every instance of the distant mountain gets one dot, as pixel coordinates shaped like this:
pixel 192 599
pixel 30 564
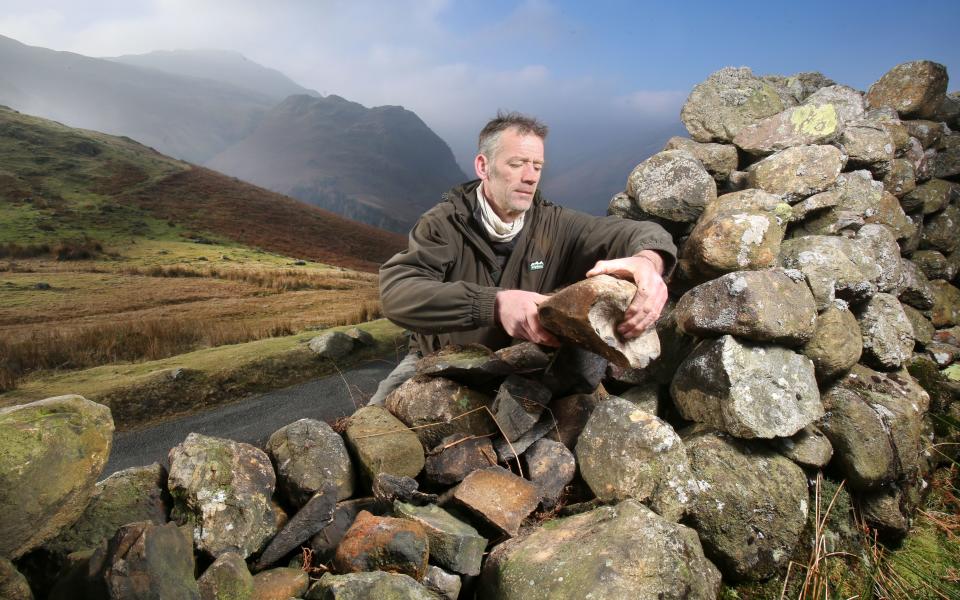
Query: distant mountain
pixel 380 165
pixel 225 66
pixel 59 183
pixel 188 118
pixel 588 181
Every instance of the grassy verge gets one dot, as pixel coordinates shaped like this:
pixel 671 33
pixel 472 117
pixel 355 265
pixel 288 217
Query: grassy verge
pixel 141 392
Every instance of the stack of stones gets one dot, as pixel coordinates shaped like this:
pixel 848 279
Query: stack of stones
pixel 813 331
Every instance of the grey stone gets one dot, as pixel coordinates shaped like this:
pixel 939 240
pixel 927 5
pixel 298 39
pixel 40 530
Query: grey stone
pixel 332 345
pixel 837 343
pixel 718 159
pixel 551 467
pixel 574 370
pixel 867 143
pixel 226 579
pixel 446 584
pixel 525 357
pixel 756 305
pixel 930 197
pixel 473 364
pixel 847 101
pixel 922 327
pixel 915 290
pixel 381 443
pixel 797 172
pixel 388 488
pixel 571 414
pixel 51 453
pixel 325 542
pixel 927 132
pixel 859 198
pixel 751 507
pixel 625 452
pixel 306 454
pixel 899 176
pixel 940 230
pixel 809 447
pixel 127 496
pixel 454 545
pixel 518 405
pixel 361 337
pixel 645 396
pixel 946 305
pixel 312 518
pixel 435 407
pixel 946 161
pixel 365 586
pixel 609 553
pixel 587 313
pixel 802 85
pixel 499 497
pixel 914 89
pixel 747 390
pixel 796 126
pixel 873 421
pixel 730 99
pixel 886 331
pixel 830 271
pixel 672 185
pixel 150 562
pixel 511 450
pixel 222 489
pixel 879 244
pixel 882 510
pixel 933 264
pixel 456 456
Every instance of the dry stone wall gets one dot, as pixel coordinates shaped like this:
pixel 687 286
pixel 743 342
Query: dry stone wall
pixel 816 290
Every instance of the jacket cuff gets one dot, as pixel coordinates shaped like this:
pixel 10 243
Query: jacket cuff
pixel 484 304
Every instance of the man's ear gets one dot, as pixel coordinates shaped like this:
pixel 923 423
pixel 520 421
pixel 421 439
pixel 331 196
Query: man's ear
pixel 481 166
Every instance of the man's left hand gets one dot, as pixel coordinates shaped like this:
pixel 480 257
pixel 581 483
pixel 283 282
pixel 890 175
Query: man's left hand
pixel 644 269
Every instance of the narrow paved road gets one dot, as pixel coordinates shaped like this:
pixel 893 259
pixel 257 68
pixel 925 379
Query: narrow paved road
pixel 252 420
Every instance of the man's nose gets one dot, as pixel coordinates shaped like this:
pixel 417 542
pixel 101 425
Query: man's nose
pixel 530 174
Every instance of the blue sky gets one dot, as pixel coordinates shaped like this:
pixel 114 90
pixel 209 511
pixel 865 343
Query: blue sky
pixel 597 72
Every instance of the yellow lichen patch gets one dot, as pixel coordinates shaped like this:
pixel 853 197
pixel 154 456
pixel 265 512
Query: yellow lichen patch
pixel 815 120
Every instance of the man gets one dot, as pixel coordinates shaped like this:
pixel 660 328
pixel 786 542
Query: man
pixel 479 263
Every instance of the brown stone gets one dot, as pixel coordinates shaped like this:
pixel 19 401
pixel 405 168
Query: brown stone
pixel 587 313
pixel 383 544
pixel 501 498
pixel 280 584
pixel 915 89
pixel 456 456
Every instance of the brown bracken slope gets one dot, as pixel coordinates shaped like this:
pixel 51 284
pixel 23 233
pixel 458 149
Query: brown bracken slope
pixel 209 201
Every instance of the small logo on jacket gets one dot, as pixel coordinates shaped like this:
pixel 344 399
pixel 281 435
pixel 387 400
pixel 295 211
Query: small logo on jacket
pixel 536 265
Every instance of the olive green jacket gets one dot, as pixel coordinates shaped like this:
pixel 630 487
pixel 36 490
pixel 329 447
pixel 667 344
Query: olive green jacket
pixel 443 286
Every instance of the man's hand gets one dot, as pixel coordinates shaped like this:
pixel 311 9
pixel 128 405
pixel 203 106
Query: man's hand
pixel 516 312
pixel 644 269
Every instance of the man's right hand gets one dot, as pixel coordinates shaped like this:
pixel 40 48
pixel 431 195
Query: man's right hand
pixel 516 312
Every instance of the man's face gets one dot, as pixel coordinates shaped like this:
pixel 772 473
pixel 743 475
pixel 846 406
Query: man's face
pixel 511 178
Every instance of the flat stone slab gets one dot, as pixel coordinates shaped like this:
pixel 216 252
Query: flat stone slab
pixel 498 496
pixel 796 126
pixel 312 518
pixel 797 172
pixel 454 545
pixel 472 364
pixel 588 312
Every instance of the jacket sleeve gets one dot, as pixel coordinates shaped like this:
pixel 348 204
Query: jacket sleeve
pixel 604 238
pixel 415 295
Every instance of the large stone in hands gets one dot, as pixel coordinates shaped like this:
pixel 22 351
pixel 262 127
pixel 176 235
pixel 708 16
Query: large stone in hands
pixel 587 313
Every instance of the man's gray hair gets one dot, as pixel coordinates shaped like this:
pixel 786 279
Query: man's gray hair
pixel 490 134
